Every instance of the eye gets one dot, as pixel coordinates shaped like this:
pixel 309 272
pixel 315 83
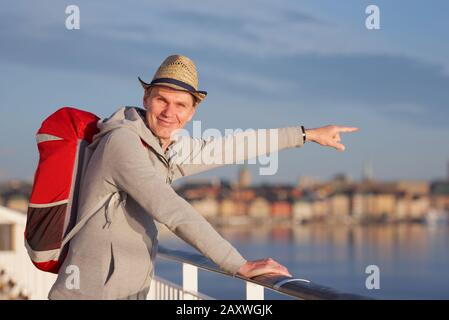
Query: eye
pixel 160 100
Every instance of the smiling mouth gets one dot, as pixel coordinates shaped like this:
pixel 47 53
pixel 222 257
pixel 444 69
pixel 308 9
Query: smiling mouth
pixel 165 123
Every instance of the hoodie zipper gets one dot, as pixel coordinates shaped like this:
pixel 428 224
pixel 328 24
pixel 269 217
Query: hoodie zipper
pixel 161 157
pixel 168 178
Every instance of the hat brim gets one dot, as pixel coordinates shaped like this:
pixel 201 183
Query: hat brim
pixel 199 95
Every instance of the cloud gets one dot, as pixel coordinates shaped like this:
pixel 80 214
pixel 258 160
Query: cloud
pixel 35 33
pixel 265 51
pixel 395 86
pixel 235 27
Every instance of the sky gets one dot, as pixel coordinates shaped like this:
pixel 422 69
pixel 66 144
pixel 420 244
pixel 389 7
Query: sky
pixel 265 64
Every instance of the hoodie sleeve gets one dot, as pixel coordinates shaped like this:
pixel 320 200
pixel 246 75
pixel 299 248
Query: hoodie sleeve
pixel 130 170
pixel 197 155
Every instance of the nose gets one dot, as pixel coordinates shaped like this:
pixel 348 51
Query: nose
pixel 169 111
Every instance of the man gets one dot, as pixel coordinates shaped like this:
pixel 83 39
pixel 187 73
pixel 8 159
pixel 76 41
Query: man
pixel 134 159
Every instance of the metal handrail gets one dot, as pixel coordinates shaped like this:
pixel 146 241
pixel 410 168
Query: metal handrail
pixel 294 287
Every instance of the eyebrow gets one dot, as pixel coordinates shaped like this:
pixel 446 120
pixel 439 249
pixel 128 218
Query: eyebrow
pixel 158 95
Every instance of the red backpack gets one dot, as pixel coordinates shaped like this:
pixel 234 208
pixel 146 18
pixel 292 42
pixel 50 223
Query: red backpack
pixel 62 141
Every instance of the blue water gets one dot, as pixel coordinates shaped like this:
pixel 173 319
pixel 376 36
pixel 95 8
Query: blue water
pixel 413 259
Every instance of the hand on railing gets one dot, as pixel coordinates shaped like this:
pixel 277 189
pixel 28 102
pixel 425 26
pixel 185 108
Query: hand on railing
pixel 263 266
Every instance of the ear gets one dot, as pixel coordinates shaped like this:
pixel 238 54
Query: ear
pixel 146 95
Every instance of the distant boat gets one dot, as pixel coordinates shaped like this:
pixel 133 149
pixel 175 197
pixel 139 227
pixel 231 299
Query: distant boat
pixel 436 217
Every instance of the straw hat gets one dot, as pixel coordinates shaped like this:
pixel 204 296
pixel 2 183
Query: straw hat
pixel 177 72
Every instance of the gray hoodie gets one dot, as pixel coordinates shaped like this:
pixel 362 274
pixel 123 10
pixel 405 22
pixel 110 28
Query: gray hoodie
pixel 112 256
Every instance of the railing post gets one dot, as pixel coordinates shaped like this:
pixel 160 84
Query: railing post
pixel 189 280
pixel 254 291
pixel 152 292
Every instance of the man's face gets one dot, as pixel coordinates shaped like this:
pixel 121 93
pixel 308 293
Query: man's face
pixel 167 110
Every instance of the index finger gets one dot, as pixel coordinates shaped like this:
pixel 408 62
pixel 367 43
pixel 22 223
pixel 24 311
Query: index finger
pixel 347 129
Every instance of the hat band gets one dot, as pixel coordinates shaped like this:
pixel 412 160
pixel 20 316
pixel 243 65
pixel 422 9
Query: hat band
pixel 178 83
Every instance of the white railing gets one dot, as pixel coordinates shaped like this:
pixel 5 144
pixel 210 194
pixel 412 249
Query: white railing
pixel 162 289
pixel 16 264
pixel 255 287
pixel 25 280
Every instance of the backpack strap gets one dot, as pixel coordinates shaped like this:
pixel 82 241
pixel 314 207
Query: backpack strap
pixel 104 201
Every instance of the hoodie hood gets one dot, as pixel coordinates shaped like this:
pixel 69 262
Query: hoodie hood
pixel 133 118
